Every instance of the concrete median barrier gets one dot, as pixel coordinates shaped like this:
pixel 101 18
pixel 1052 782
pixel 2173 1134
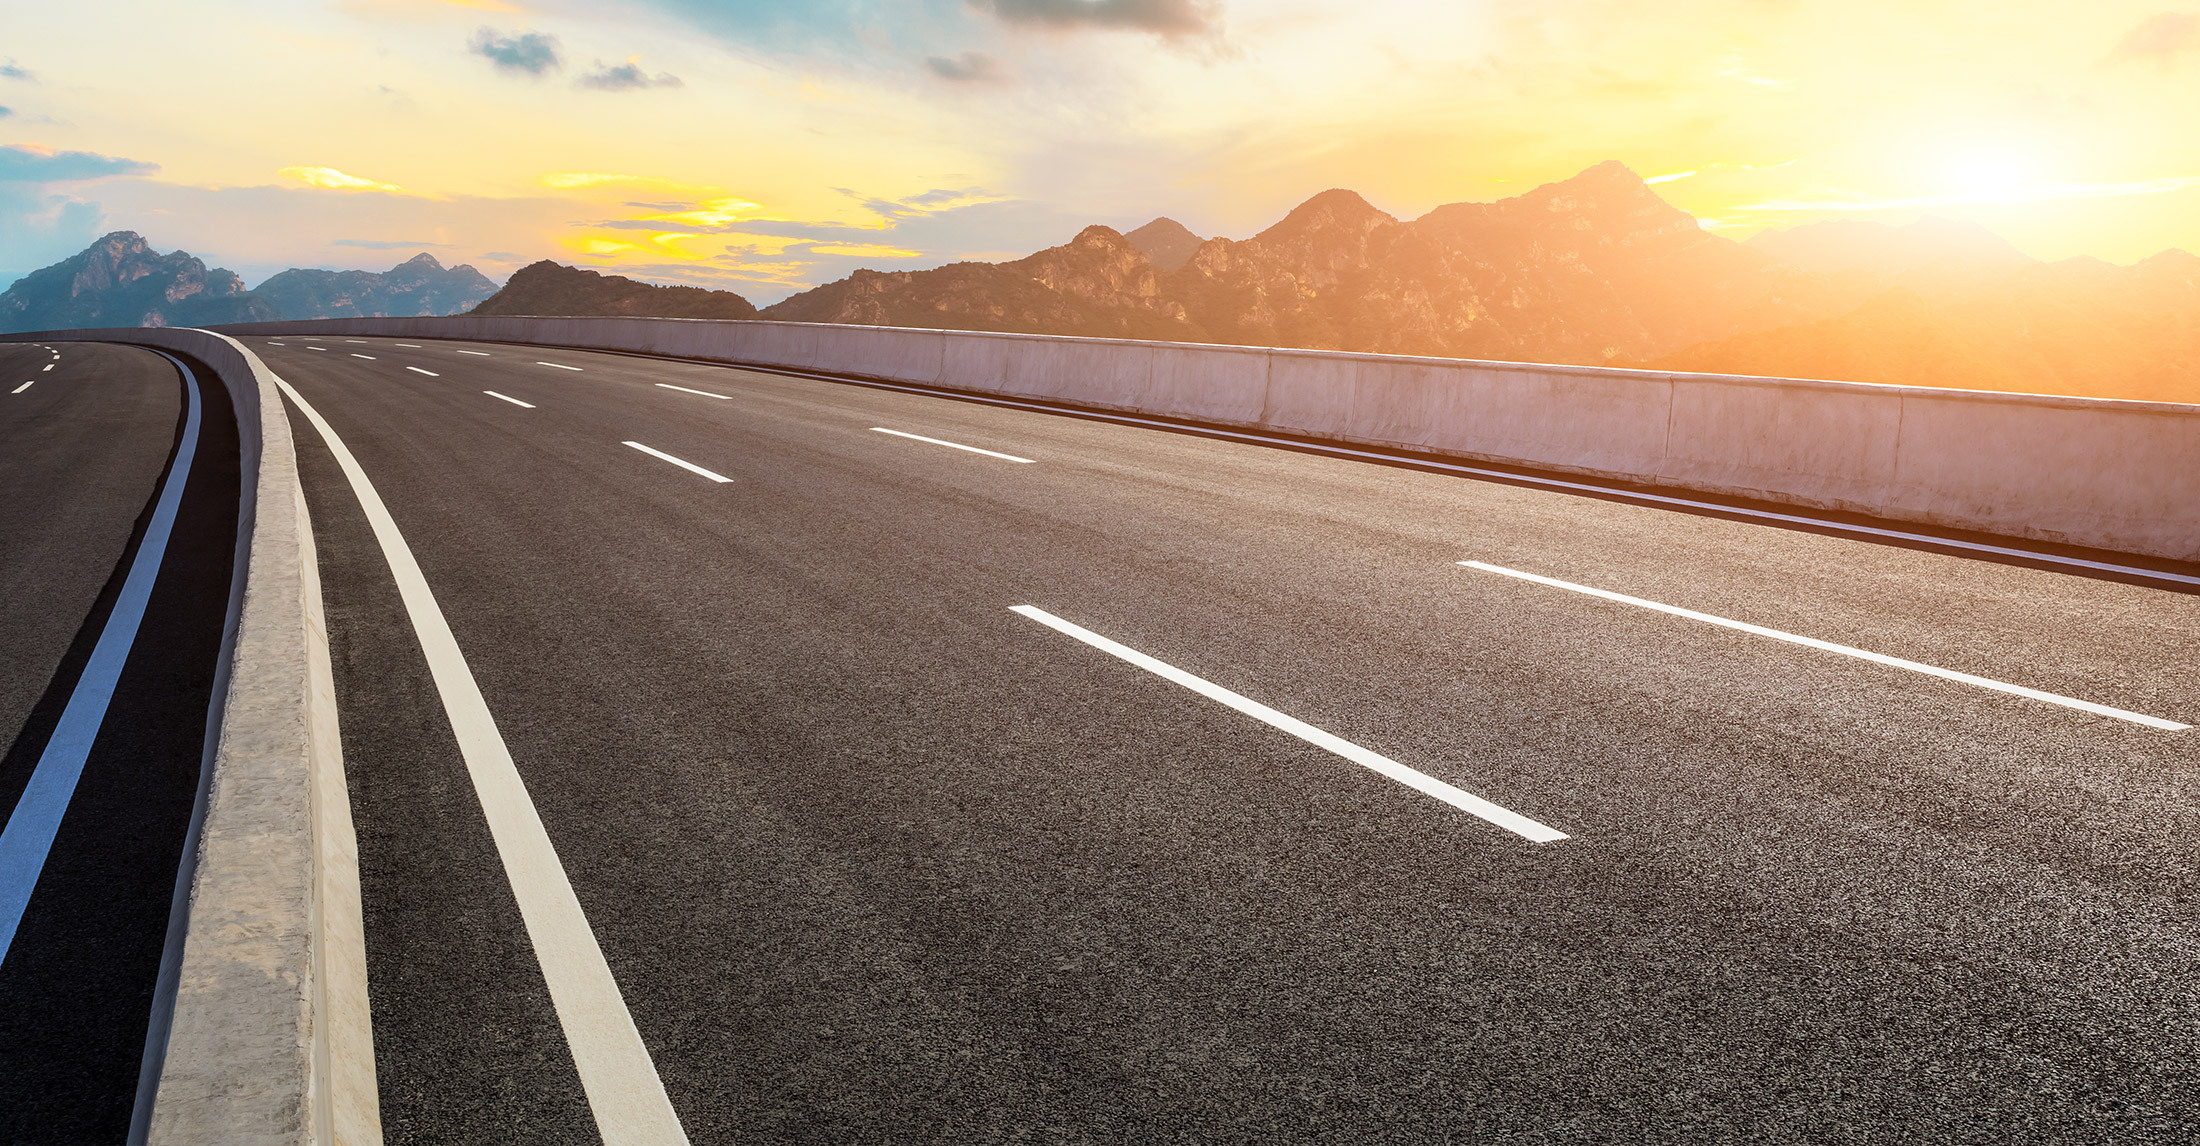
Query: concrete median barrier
pixel 261 1031
pixel 2102 474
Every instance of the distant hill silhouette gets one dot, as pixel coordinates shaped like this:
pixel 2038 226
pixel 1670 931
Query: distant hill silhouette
pixel 1587 270
pixel 416 287
pixel 1166 243
pixel 546 288
pixel 120 280
pixel 1097 284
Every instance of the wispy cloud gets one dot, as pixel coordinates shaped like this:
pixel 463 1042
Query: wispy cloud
pixel 628 76
pixel 1674 177
pixel 528 53
pixel 9 70
pixel 330 179
pixel 970 67
pixel 29 163
pixel 1167 18
pixel 2160 38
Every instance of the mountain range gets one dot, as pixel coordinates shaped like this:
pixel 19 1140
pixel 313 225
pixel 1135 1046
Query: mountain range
pixel 120 280
pixel 1594 270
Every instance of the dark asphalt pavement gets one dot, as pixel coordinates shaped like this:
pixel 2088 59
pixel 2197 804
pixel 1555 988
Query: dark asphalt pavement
pixel 875 859
pixel 84 452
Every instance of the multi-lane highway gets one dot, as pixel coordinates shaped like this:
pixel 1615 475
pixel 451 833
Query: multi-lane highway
pixel 118 506
pixel 764 758
pixel 927 770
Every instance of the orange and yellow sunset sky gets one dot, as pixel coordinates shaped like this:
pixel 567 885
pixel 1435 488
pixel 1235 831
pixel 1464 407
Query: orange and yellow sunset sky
pixel 765 147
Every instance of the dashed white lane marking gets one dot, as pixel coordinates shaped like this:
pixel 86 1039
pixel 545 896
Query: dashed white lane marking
pixel 368 357
pixel 429 373
pixel 23 387
pixel 509 398
pixel 316 348
pixel 558 366
pixel 45 368
pixel 1413 778
pixel 408 345
pixel 357 341
pixel 1844 650
pixel 478 353
pixel 624 1092
pixel 278 344
pixel 704 393
pixel 953 445
pixel 689 466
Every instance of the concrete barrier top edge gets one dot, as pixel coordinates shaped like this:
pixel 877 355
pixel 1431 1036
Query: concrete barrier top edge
pixel 2123 405
pixel 1609 372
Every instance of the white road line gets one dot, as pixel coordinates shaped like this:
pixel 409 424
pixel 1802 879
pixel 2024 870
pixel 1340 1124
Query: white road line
pixel 1420 781
pixel 29 835
pixel 368 357
pixel 953 445
pixel 704 393
pixel 478 353
pixel 1844 650
pixel 23 387
pixel 1430 464
pixel 316 348
pixel 278 344
pixel 408 345
pixel 429 373
pixel 624 1092
pixel 508 398
pixel 358 341
pixel 691 466
pixel 558 366
pixel 45 368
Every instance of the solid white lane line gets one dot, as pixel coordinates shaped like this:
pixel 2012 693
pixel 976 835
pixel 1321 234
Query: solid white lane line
pixel 558 366
pixel 478 353
pixel 1420 781
pixel 1844 650
pixel 624 1092
pixel 690 466
pixel 23 387
pixel 368 357
pixel 429 373
pixel 704 393
pixel 28 838
pixel 953 445
pixel 508 398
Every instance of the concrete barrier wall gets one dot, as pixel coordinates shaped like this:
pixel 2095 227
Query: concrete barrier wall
pixel 267 1035
pixel 2110 475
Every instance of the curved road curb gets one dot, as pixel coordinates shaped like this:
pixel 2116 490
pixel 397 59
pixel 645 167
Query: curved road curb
pixel 267 1038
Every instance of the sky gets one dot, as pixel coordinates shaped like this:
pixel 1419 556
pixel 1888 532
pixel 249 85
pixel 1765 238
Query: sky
pixel 766 147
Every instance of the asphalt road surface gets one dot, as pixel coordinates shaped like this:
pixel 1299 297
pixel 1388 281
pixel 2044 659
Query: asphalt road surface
pixel 872 856
pixel 89 437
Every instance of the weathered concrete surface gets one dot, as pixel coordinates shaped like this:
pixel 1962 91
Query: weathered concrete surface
pixel 270 1040
pixel 2110 475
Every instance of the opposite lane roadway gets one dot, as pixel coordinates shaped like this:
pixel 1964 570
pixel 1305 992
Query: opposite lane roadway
pixel 873 857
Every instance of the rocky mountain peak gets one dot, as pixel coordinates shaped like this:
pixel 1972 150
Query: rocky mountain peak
pixel 1166 243
pixel 1335 211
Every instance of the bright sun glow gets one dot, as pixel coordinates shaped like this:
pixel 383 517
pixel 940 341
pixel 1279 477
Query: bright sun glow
pixel 1991 174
